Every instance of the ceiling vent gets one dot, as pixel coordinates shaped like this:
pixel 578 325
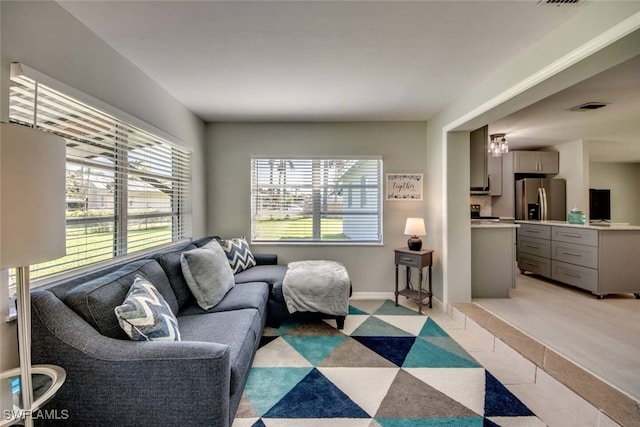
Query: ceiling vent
pixel 589 106
pixel 559 2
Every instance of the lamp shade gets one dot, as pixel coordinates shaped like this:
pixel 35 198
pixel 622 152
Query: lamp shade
pixel 32 192
pixel 415 227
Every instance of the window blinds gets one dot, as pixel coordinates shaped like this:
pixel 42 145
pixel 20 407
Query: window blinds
pixel 127 189
pixel 316 200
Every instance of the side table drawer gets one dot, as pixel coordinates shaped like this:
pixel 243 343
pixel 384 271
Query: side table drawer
pixel 411 260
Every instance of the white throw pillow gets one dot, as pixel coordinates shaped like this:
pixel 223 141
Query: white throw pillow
pixel 207 273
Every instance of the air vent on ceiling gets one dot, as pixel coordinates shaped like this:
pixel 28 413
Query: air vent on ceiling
pixel 559 2
pixel 589 106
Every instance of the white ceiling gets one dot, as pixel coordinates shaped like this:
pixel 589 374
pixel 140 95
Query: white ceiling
pixel 360 61
pixel 318 60
pixel 613 132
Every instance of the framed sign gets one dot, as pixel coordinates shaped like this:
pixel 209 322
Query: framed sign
pixel 404 186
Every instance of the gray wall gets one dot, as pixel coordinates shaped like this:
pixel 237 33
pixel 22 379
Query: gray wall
pixel 43 36
pixel 230 147
pixel 623 179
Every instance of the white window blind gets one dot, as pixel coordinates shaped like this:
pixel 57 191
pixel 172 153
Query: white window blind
pixel 316 200
pixel 127 189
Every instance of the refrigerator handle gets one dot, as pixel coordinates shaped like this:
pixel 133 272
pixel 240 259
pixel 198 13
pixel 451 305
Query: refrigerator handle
pixel 542 196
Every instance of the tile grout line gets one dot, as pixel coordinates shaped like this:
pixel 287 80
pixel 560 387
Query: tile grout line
pixel 544 362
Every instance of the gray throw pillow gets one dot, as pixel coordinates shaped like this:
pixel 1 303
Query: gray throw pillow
pixel 207 273
pixel 145 315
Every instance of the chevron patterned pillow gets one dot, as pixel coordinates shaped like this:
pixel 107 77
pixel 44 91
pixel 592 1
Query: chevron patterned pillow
pixel 238 253
pixel 145 315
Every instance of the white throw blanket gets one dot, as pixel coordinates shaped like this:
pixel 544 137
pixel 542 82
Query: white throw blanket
pixel 317 286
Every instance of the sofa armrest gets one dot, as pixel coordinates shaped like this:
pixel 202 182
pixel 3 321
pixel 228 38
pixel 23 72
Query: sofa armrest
pixel 266 259
pixel 128 382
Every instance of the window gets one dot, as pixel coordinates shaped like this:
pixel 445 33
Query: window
pixel 127 189
pixel 327 200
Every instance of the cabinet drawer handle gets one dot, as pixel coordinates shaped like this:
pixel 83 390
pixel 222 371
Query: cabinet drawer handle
pixel 570 274
pixel 532 264
pixel 533 231
pixel 406 259
pixel 577 236
pixel 532 246
pixel 570 253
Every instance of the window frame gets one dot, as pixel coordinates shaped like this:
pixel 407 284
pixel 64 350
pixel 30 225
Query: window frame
pixel 129 142
pixel 315 212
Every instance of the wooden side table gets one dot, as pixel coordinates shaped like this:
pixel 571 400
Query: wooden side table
pixel 419 260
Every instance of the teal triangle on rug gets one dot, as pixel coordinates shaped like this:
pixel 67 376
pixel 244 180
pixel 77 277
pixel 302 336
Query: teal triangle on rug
pixel 403 380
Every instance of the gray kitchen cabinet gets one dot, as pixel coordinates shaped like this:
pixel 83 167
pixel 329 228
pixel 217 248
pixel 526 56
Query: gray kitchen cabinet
pixel 478 175
pixel 492 260
pixel 545 162
pixel 495 176
pixel 597 259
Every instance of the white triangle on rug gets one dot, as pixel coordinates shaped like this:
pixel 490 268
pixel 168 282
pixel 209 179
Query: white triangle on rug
pixel 411 324
pixel 518 421
pixel 279 354
pixel 367 305
pixel 353 322
pixel 365 386
pixel 316 422
pixel 244 422
pixel 464 385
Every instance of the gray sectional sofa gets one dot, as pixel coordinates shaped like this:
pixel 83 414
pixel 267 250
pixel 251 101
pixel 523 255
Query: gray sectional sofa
pixel 112 380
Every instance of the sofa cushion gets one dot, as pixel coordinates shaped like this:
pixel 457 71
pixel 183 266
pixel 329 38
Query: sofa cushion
pixel 145 315
pixel 170 262
pixel 238 253
pixel 238 329
pixel 208 274
pixel 96 299
pixel 262 273
pixel 243 295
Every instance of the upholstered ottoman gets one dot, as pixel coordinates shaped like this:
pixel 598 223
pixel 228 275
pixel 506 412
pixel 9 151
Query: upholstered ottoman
pixel 311 290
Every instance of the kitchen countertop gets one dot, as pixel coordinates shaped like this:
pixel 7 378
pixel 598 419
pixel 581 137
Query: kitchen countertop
pixel 492 224
pixel 608 226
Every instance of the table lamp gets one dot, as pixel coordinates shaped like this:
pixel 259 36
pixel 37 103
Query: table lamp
pixel 414 228
pixel 32 217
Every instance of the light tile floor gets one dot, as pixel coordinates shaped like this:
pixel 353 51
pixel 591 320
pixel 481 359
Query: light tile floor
pixel 601 336
pixel 554 403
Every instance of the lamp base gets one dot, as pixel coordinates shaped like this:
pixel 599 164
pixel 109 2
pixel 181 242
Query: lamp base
pixel 414 243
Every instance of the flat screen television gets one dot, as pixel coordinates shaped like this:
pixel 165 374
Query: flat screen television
pixel 599 205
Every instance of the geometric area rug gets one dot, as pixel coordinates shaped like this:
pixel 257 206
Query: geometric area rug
pixel 388 367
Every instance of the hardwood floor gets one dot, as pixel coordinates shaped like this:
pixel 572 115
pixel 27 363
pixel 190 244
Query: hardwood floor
pixel 601 336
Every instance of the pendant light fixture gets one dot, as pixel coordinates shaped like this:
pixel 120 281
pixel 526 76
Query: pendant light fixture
pixel 498 144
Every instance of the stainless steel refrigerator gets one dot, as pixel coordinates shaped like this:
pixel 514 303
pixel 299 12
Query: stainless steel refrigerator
pixel 541 199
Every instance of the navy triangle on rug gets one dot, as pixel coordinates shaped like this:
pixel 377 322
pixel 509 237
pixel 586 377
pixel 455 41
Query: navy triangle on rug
pixel 388 367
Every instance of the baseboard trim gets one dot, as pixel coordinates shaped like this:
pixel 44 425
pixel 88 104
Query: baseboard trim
pixel 373 295
pixel 437 304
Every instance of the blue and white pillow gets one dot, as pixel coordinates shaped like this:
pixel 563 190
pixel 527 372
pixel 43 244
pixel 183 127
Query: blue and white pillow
pixel 238 253
pixel 145 315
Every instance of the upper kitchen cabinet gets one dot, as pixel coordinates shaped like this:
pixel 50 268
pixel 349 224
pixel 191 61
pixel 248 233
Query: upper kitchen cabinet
pixel 479 177
pixel 495 176
pixel 545 162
